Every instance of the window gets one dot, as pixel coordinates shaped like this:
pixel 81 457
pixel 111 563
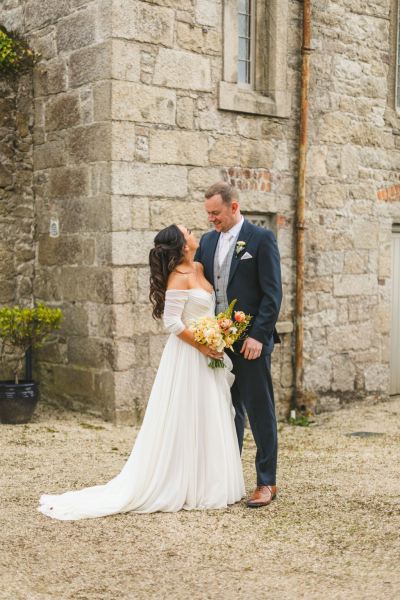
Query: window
pixel 245 38
pixel 266 220
pixel 255 57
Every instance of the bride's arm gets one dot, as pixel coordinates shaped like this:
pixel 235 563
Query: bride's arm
pixel 172 318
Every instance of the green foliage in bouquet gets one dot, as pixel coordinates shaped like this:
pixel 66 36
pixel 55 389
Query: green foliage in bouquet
pixel 229 310
pixel 15 55
pixel 237 319
pixel 24 328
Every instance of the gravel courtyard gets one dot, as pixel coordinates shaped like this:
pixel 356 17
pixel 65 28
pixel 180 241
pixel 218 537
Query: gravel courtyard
pixel 333 533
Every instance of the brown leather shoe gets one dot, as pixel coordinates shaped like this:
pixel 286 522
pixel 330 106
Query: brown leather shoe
pixel 262 496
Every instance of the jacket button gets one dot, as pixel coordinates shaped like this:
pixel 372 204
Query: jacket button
pixel 219 277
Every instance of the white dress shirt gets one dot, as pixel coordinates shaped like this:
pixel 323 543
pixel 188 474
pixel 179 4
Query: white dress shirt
pixel 226 239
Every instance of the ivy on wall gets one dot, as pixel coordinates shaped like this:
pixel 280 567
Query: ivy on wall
pixel 15 54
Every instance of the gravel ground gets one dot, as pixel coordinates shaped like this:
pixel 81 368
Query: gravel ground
pixel 333 533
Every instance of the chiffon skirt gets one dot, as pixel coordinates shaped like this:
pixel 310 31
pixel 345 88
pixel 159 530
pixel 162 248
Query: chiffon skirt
pixel 186 454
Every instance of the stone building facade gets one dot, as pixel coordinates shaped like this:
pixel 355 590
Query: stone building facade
pixel 16 195
pixel 137 109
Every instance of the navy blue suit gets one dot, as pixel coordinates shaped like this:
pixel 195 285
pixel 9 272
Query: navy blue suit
pixel 256 283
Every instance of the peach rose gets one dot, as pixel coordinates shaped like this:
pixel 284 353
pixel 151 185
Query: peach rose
pixel 240 317
pixel 225 324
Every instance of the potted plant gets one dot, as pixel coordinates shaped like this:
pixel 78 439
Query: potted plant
pixel 21 331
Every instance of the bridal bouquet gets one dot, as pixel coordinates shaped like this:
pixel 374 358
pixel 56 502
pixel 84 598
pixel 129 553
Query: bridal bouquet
pixel 221 332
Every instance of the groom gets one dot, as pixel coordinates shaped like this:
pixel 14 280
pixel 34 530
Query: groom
pixel 242 261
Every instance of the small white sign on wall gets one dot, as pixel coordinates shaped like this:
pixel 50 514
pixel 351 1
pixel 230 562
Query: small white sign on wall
pixel 54 229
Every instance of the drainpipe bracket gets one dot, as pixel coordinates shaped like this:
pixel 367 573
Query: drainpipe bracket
pixel 301 225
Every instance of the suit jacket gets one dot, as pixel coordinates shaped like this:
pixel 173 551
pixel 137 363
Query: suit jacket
pixel 255 282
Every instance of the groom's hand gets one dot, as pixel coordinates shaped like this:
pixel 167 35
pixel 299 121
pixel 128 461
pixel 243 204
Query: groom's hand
pixel 251 348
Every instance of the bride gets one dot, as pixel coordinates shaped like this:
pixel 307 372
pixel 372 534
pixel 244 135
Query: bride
pixel 186 455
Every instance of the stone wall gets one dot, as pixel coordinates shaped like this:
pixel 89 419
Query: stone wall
pixel 127 137
pixel 16 197
pixel 71 156
pixel 183 143
pixel 354 166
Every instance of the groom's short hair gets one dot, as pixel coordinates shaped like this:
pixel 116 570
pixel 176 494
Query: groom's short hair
pixel 225 190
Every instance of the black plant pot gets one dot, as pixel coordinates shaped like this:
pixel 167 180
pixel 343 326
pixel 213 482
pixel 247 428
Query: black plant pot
pixel 18 401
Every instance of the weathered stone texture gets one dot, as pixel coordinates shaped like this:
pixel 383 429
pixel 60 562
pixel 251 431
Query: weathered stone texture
pixel 16 198
pixel 72 154
pixel 179 148
pixel 89 144
pixel 190 214
pixel 62 112
pixel 149 180
pixel 208 12
pixel 127 137
pixel 125 60
pixel 132 247
pixel 68 182
pixel 143 22
pixel 50 78
pixel 144 104
pixel 130 213
pixel 76 31
pixel 90 64
pixel 198 39
pixel 182 70
pixel 43 13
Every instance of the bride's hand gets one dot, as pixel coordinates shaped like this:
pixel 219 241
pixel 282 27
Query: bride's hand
pixel 207 351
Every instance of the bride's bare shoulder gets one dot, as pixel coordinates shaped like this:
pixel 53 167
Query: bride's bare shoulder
pixel 177 281
pixel 199 266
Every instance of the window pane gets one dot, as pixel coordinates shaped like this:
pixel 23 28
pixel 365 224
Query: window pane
pixel 244 25
pixel 243 6
pixel 242 71
pixel 244 49
pixel 244 41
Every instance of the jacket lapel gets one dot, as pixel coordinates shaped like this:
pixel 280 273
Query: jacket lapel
pixel 244 236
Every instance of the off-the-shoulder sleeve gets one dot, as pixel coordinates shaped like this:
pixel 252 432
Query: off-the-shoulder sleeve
pixel 174 304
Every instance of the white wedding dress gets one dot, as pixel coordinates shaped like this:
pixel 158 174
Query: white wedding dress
pixel 186 454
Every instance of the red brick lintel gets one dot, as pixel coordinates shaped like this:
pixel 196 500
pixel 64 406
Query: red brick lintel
pixel 390 194
pixel 248 179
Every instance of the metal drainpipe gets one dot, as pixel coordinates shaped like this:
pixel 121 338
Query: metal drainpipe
pixel 299 400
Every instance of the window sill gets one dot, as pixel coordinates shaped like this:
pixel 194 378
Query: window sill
pixel 241 99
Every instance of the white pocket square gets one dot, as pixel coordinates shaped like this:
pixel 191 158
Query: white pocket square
pixel 245 256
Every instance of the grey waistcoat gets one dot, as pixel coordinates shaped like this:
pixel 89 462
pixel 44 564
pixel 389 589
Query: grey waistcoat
pixel 221 277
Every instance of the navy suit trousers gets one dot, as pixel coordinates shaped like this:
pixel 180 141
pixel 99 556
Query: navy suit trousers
pixel 252 393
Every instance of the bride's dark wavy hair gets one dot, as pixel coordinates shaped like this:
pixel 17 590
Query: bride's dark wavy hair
pixel 166 255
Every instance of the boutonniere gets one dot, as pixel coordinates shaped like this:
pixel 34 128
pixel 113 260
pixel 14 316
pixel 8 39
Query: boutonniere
pixel 240 246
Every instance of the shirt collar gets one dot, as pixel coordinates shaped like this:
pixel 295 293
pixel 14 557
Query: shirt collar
pixel 233 231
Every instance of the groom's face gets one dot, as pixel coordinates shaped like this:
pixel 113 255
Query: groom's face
pixel 222 215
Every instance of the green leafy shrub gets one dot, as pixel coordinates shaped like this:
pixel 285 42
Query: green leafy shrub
pixel 24 328
pixel 301 421
pixel 15 55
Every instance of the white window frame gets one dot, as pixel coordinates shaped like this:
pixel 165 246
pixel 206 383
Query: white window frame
pixel 253 18
pixel 268 93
